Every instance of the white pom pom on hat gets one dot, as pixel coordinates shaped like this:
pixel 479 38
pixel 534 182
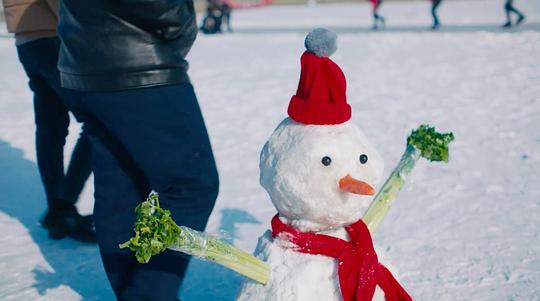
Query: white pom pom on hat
pixel 321 41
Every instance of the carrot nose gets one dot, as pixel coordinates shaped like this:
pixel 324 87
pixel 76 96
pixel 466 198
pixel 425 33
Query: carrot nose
pixel 352 185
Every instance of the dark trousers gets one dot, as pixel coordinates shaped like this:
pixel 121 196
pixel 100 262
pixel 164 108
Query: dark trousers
pixel 435 4
pixel 143 139
pixel 39 58
pixel 375 11
pixel 509 8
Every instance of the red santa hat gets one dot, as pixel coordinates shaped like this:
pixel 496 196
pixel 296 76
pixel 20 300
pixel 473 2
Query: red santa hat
pixel 321 96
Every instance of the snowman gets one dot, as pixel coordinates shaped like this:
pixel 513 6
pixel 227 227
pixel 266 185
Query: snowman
pixel 320 171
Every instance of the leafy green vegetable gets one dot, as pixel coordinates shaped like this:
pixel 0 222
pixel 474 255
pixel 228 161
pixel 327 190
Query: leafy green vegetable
pixel 155 230
pixel 431 144
pixel 423 142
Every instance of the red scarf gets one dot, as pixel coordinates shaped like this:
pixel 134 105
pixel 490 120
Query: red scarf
pixel 359 269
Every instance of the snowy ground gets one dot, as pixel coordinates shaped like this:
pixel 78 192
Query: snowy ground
pixel 468 230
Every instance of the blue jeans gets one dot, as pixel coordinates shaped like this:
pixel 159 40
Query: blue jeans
pixel 147 139
pixel 39 59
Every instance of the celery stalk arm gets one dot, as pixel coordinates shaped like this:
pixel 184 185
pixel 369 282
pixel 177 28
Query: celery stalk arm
pixel 387 194
pixel 156 231
pixel 198 244
pixel 423 142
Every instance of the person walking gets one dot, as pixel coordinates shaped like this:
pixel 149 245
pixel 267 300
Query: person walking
pixel 34 24
pixel 377 19
pixel 217 13
pixel 124 63
pixel 509 9
pixel 434 6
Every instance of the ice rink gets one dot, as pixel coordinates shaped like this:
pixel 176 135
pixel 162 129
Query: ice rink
pixel 467 230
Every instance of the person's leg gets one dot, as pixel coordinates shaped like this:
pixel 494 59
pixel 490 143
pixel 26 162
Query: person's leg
pixel 227 15
pixel 79 167
pixel 51 119
pixel 379 17
pixel 375 16
pixel 508 10
pixel 435 5
pixel 39 59
pixel 509 7
pixel 118 190
pixel 160 135
pixel 521 17
pixel 218 16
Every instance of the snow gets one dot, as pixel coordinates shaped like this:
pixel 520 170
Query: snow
pixel 467 230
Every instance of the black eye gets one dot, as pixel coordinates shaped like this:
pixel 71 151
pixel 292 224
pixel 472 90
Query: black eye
pixel 326 161
pixel 363 158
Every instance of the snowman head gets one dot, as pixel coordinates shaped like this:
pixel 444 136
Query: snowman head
pixel 319 177
pixel 318 168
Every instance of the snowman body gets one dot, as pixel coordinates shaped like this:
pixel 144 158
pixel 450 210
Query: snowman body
pixel 294 276
pixel 301 169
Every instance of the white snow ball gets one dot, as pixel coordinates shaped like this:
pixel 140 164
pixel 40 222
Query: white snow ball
pixel 303 188
pixel 322 42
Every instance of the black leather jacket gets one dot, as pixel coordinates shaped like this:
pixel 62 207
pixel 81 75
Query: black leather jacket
pixel 124 44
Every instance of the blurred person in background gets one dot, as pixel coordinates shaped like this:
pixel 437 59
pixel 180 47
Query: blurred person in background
pixel 217 13
pixel 375 4
pixel 509 9
pixel 434 6
pixel 34 24
pixel 124 63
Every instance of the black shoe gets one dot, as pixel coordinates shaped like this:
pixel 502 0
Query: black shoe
pixel 67 222
pixel 84 229
pixel 520 19
pixel 507 24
